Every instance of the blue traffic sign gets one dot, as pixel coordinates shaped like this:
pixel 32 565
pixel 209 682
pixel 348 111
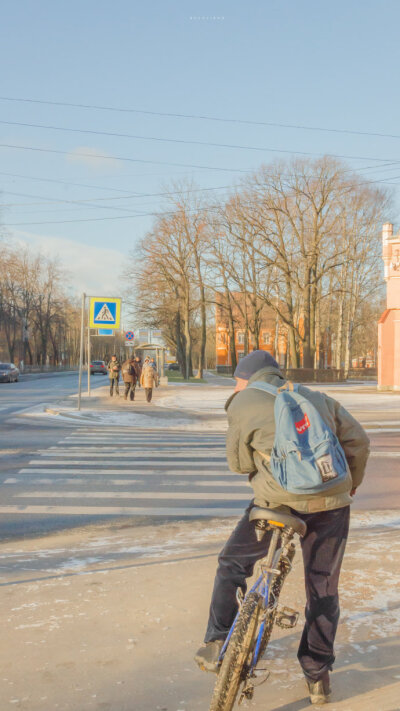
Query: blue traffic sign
pixel 105 312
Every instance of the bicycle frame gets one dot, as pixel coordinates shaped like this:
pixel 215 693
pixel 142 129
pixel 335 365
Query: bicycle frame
pixel 262 586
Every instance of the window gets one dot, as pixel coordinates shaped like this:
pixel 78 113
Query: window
pixel 240 337
pixel 266 338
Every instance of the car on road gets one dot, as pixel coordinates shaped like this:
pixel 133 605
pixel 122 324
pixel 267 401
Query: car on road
pixel 98 366
pixel 173 366
pixel 9 373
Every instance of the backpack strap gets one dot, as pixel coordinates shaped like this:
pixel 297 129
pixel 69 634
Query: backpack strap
pixel 265 387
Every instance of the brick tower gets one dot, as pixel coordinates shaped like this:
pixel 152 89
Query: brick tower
pixel 389 322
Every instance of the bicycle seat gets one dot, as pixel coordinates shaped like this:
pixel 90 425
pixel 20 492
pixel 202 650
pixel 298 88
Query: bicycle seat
pixel 273 515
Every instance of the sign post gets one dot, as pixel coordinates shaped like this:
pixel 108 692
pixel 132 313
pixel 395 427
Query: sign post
pixel 88 361
pixel 81 349
pixel 105 315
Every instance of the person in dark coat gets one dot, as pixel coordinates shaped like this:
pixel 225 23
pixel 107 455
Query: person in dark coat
pixel 129 377
pixel 249 443
pixel 137 364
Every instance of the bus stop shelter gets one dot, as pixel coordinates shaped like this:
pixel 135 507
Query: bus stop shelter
pixel 151 350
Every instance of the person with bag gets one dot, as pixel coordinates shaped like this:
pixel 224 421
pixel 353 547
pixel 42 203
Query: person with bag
pixel 129 377
pixel 149 379
pixel 114 368
pixel 303 454
pixel 138 368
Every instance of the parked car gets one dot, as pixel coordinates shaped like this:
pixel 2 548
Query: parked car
pixel 9 373
pixel 173 366
pixel 98 366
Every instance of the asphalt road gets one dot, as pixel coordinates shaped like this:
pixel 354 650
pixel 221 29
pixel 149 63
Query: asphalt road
pixel 56 475
pixel 40 388
pixel 20 438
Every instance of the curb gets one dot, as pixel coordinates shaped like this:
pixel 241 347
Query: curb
pixel 71 415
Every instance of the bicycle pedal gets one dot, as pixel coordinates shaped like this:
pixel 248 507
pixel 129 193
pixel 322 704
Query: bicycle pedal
pixel 286 617
pixel 247 693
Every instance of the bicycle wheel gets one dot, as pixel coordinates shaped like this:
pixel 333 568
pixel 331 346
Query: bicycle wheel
pixel 237 655
pixel 284 565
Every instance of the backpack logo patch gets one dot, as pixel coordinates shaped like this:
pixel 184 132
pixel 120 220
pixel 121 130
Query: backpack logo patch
pixel 303 424
pixel 326 468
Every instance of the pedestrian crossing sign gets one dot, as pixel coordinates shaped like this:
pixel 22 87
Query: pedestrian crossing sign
pixel 104 312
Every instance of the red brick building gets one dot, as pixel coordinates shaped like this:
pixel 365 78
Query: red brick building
pixel 249 320
pixel 264 330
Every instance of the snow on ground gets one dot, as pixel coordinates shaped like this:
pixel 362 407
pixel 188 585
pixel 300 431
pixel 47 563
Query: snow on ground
pixel 123 418
pixel 355 397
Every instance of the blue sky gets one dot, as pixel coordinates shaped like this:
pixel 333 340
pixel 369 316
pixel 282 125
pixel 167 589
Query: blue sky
pixel 298 62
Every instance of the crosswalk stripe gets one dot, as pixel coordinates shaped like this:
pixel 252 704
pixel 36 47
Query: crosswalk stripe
pixel 145 473
pixel 134 464
pixel 136 471
pixel 128 454
pixel 186 496
pixel 39 481
pixel 210 511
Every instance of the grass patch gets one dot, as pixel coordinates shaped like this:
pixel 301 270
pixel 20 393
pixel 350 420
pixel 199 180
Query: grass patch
pixel 174 376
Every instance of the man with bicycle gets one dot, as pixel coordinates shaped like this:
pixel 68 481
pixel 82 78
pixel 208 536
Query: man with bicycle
pixel 250 439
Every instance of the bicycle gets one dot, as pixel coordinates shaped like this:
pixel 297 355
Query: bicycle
pixel 258 611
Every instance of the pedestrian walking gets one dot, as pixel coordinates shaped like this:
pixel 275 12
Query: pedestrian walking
pixel 138 368
pixel 250 439
pixel 114 368
pixel 149 379
pixel 129 377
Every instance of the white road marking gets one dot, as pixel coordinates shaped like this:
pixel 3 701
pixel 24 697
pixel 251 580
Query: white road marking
pixel 119 482
pixel 128 453
pixel 128 464
pixel 136 471
pixel 382 429
pixel 121 511
pixel 185 496
pixel 389 455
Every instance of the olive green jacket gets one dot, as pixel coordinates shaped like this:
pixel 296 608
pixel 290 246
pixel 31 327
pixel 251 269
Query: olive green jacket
pixel 252 430
pixel 114 368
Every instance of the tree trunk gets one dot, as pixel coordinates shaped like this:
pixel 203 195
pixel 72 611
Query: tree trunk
pixel 231 329
pixel 188 340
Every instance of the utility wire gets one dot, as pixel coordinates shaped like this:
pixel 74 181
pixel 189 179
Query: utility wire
pixel 119 197
pixel 201 117
pixel 182 141
pixel 204 167
pixel 98 156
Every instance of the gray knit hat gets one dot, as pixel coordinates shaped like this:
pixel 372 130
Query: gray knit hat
pixel 256 360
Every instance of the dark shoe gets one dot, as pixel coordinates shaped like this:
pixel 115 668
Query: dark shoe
pixel 208 655
pixel 319 690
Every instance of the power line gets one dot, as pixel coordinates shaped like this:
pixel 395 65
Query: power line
pixel 35 178
pixel 89 203
pixel 182 141
pixel 202 117
pixel 145 214
pixel 99 156
pixel 119 197
pixel 203 167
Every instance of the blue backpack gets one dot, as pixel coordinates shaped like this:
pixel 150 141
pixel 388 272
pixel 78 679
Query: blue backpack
pixel 307 457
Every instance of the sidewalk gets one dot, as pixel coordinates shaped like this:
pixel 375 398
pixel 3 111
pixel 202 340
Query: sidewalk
pixel 164 411
pixel 109 618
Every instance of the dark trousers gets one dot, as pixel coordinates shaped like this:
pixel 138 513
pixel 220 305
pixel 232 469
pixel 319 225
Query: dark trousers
pixel 112 381
pixel 130 387
pixel 149 394
pixel 323 548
